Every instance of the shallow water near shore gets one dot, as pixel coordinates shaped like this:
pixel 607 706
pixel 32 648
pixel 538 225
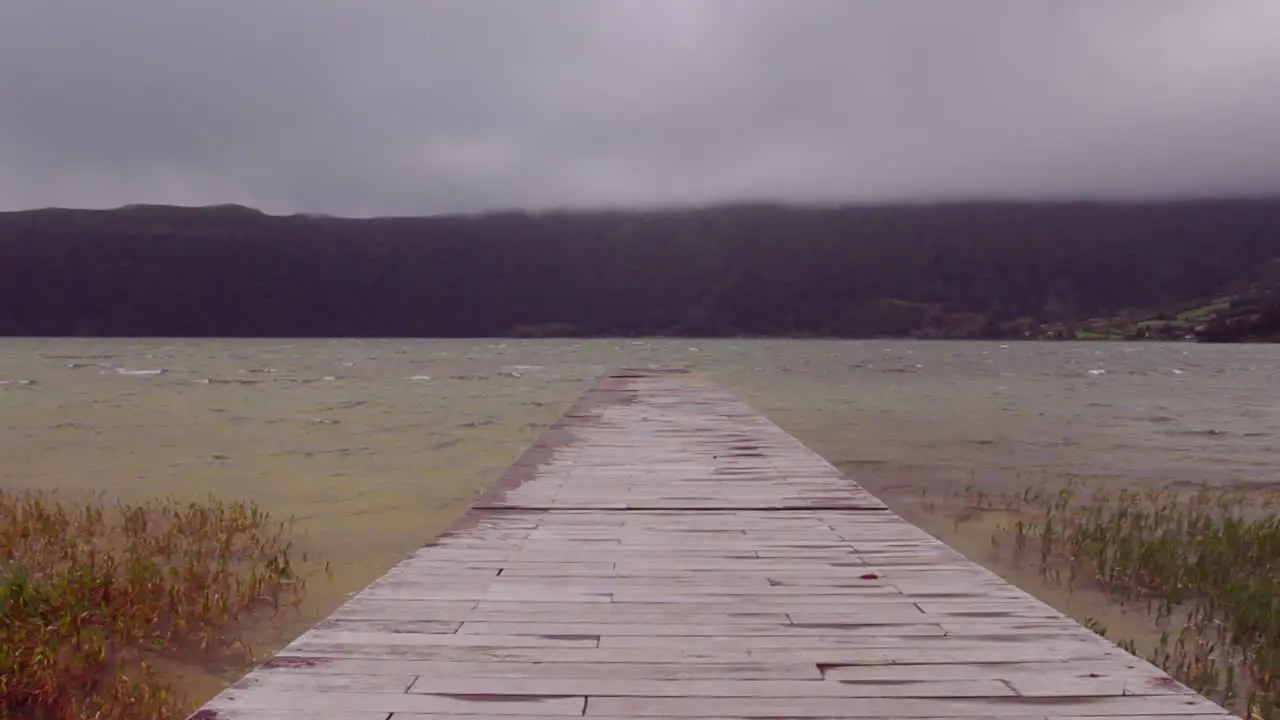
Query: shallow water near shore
pixel 375 446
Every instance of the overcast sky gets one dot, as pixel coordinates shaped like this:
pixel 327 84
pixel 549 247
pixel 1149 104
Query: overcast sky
pixel 424 106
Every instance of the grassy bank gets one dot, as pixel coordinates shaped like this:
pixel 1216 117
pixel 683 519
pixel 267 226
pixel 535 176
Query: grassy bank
pixel 1203 567
pixel 92 595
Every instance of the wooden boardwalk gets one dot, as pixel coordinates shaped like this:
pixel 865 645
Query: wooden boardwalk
pixel 665 552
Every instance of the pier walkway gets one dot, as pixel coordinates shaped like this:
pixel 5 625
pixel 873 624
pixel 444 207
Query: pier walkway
pixel 665 552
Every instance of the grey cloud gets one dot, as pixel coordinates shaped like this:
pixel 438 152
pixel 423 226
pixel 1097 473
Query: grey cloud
pixel 419 106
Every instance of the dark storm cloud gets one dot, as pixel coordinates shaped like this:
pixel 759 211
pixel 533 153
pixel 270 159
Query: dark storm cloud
pixel 416 106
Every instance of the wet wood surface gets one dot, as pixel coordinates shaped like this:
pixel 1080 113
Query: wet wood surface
pixel 665 552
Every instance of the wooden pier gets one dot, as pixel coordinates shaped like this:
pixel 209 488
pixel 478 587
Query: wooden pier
pixel 665 552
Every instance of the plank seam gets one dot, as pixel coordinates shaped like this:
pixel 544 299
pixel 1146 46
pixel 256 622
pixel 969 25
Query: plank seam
pixel 678 508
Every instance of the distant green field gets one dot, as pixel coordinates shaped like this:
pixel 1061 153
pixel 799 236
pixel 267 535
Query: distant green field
pixel 1204 312
pixel 1099 335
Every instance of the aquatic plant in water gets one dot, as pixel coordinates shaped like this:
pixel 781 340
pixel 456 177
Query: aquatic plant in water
pixel 1205 565
pixel 89 593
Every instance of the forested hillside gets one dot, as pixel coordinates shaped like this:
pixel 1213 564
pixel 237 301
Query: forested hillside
pixel 947 270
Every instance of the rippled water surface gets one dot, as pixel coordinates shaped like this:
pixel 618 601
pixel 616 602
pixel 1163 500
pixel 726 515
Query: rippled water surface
pixel 375 446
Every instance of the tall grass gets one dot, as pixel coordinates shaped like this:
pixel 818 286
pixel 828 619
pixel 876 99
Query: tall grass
pixel 90 592
pixel 1205 565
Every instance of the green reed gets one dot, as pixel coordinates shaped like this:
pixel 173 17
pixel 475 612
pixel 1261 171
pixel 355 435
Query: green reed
pixel 1205 565
pixel 89 593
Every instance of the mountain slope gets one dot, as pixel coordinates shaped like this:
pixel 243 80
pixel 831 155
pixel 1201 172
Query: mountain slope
pixel 944 270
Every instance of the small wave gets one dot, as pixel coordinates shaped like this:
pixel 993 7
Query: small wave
pixel 17 382
pixel 349 404
pixel 223 381
pixel 904 369
pixel 322 421
pixel 418 377
pixel 1097 372
pixel 127 371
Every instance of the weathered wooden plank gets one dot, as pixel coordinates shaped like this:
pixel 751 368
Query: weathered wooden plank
pixel 728 606
pixel 728 583
pixel 352 637
pixel 663 614
pixel 431 591
pixel 328 682
pixel 763 587
pixel 1079 678
pixel 781 597
pixel 826 707
pixel 816 604
pixel 548 670
pixel 958 651
pixel 389 625
pixel 373 609
pixel 215 712
pixel 241 700
pixel 1053 686
pixel 1111 667
pixel 986 626
pixel 911 613
pixel 656 630
pixel 1208 715
pixel 795 689
pixel 874 636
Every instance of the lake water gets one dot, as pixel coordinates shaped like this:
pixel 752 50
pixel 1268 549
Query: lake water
pixel 376 446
